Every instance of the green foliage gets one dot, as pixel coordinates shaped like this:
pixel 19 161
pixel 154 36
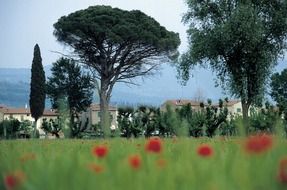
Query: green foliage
pixel 229 127
pixel 64 164
pixel 204 121
pixel 37 91
pixel 264 120
pixel 13 128
pixel 69 82
pixel 240 40
pixel 114 27
pixel 64 117
pixel 279 91
pixel 215 116
pixel 169 122
pixel 117 45
pixel 129 122
pixel 52 127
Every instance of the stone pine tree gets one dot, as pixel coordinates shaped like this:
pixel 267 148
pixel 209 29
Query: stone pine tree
pixel 117 45
pixel 37 87
pixel 240 40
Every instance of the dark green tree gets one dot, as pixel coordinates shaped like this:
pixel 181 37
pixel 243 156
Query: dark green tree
pixel 215 116
pixel 279 93
pixel 241 41
pixel 52 127
pixel 68 81
pixel 37 86
pixel 116 45
pixel 279 90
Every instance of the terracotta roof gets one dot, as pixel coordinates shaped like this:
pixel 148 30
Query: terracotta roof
pixel 2 106
pixel 229 103
pixel 96 107
pixel 180 102
pixel 27 111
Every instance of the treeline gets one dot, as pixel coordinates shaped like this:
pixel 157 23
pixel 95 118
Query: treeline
pixel 207 121
pixel 147 121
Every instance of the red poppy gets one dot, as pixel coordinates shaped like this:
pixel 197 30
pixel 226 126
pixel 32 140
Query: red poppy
pixel 100 151
pixel 13 180
pixel 154 145
pixel 282 172
pixel 10 182
pixel 258 144
pixel 96 168
pixel 205 150
pixel 135 161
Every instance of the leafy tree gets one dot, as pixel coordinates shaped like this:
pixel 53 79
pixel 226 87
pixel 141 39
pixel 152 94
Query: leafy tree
pixel 229 128
pixel 124 119
pixel 9 128
pixel 37 86
pixel 215 117
pixel 69 82
pixel 264 120
pixel 53 127
pixel 279 90
pixel 116 45
pixel 170 121
pixel 241 41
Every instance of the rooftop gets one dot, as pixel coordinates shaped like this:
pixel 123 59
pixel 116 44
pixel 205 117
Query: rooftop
pixel 96 107
pixel 6 110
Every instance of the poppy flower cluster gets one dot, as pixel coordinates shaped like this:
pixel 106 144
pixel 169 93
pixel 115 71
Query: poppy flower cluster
pixel 282 171
pixel 14 180
pixel 135 161
pixel 100 151
pixel 154 145
pixel 204 150
pixel 258 144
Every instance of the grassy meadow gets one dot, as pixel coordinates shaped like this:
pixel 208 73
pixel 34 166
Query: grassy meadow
pixel 72 164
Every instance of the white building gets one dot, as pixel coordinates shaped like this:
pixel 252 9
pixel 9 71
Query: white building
pixel 23 114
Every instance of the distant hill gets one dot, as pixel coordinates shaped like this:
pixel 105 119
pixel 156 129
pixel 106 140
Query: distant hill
pixel 15 87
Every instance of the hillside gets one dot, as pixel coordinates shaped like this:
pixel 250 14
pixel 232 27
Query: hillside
pixel 15 85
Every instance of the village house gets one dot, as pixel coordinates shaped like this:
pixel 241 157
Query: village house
pixel 177 104
pixel 23 114
pixel 234 106
pixel 93 115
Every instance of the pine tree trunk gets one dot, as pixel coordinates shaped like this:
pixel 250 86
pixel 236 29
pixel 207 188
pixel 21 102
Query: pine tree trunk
pixel 104 109
pixel 245 108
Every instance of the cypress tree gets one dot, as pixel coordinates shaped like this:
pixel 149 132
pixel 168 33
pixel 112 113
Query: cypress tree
pixel 37 86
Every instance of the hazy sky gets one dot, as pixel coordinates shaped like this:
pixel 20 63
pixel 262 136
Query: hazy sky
pixel 27 22
pixel 23 23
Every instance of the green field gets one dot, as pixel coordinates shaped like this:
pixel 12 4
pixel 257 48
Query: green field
pixel 66 164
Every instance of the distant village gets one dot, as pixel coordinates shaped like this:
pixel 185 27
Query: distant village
pixel 92 114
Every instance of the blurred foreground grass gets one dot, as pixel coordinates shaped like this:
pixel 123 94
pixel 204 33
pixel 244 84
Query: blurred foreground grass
pixel 66 164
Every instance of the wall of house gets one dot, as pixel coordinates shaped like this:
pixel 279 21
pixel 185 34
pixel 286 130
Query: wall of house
pixel 1 116
pixel 235 109
pixel 95 117
pixel 22 117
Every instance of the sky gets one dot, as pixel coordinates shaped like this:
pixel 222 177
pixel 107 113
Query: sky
pixel 27 22
pixel 23 23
